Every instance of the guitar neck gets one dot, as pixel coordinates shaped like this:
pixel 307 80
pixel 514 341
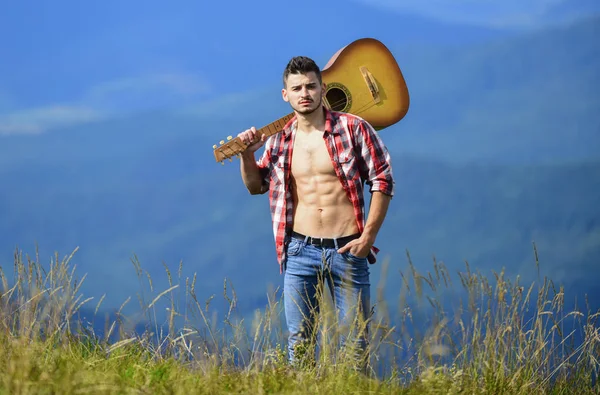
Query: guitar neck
pixel 235 146
pixel 276 126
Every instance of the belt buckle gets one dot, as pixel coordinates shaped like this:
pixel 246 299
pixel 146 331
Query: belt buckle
pixel 316 241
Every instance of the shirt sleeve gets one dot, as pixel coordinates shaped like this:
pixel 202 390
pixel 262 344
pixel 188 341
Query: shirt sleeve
pixel 264 163
pixel 375 163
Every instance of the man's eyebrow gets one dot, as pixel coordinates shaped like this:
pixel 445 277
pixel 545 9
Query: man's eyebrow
pixel 307 84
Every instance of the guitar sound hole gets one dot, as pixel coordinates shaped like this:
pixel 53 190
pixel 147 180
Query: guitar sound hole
pixel 337 99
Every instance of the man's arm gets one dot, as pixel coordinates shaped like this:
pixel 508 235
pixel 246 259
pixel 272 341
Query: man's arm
pixel 378 209
pixel 376 167
pixel 375 160
pixel 377 212
pixel 252 173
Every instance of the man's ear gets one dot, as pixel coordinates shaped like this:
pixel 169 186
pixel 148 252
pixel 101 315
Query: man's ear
pixel 284 95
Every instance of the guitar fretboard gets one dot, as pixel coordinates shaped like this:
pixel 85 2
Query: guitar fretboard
pixel 236 146
pixel 276 126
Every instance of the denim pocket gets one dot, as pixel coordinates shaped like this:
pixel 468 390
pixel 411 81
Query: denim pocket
pixel 294 246
pixel 353 258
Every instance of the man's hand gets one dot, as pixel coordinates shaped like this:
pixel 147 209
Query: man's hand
pixel 250 138
pixel 248 166
pixel 358 247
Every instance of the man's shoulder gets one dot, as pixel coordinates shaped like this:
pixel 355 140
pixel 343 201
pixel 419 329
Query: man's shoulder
pixel 350 118
pixel 274 143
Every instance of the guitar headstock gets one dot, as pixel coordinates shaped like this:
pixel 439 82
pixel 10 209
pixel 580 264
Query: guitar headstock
pixel 235 146
pixel 227 150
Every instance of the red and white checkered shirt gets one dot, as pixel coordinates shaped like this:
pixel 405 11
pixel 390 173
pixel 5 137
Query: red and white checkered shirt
pixel 358 156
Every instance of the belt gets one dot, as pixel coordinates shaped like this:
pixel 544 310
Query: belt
pixel 326 243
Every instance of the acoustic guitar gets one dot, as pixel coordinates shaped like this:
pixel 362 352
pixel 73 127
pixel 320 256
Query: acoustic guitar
pixel 362 78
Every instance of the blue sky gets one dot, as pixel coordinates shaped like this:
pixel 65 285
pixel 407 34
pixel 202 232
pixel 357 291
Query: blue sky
pixel 68 62
pixel 497 13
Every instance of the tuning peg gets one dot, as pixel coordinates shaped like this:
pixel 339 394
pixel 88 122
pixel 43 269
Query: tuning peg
pixel 214 146
pixel 223 162
pixel 221 142
pixel 229 137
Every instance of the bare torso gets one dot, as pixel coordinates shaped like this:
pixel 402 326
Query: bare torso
pixel 321 207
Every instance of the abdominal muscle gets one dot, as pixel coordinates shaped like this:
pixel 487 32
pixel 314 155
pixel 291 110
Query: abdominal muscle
pixel 321 211
pixel 321 206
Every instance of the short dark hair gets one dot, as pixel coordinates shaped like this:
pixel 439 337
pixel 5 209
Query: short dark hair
pixel 301 65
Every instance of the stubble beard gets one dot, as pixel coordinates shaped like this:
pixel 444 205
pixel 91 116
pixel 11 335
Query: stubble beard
pixel 308 111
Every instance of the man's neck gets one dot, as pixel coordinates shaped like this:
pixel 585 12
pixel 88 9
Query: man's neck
pixel 314 121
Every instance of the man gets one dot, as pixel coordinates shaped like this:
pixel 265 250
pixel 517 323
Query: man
pixel 315 170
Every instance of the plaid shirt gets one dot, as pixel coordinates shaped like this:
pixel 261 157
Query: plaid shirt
pixel 358 156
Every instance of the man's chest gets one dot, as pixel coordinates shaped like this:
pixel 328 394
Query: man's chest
pixel 311 156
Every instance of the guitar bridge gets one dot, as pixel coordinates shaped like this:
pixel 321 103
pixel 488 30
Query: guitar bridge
pixel 371 83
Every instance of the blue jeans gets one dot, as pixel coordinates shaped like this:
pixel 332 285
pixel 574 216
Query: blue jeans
pixel 307 269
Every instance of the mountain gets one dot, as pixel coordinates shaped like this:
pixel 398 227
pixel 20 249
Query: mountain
pixel 526 98
pixel 487 215
pixel 498 150
pixel 529 98
pixel 123 55
pixel 568 10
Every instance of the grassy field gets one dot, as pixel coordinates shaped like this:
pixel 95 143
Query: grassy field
pixel 501 338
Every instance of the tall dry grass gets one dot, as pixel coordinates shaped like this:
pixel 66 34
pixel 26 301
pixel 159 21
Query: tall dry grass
pixel 479 336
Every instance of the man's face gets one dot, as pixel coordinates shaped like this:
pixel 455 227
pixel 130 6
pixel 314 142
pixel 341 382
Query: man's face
pixel 303 92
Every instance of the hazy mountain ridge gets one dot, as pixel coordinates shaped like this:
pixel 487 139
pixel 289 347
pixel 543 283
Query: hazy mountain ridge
pixel 536 88
pixel 486 215
pixel 529 98
pixel 569 10
pixel 148 184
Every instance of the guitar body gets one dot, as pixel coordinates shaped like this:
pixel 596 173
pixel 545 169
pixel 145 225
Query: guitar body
pixel 363 79
pixel 348 91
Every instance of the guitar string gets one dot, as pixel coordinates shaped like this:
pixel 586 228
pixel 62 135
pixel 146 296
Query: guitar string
pixel 358 110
